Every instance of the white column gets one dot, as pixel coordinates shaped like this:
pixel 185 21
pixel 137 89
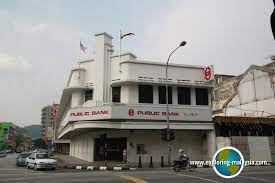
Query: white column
pixel 78 148
pixel 124 97
pixel 155 94
pixel 90 149
pixel 71 148
pixel 211 143
pixel 77 98
pixel 175 95
pixel 193 96
pixel 103 46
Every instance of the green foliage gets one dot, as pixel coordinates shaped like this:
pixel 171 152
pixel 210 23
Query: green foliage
pixel 39 144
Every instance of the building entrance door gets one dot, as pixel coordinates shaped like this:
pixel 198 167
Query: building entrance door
pixel 115 147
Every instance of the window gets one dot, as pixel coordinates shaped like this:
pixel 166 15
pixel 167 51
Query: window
pixel 201 96
pixel 89 95
pixel 42 156
pixel 184 97
pixel 141 149
pixel 145 94
pixel 116 94
pixel 162 94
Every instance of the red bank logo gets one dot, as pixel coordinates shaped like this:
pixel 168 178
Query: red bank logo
pixel 131 112
pixel 207 73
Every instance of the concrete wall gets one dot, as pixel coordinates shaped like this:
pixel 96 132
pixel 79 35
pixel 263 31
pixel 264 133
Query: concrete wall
pixel 82 147
pixel 253 148
pixel 136 71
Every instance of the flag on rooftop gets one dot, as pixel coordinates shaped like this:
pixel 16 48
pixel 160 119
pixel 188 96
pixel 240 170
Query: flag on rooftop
pixel 82 47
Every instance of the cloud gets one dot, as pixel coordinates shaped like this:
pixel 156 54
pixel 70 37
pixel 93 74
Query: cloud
pixel 14 63
pixel 50 31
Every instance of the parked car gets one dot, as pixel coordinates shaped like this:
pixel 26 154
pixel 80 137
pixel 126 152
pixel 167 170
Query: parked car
pixel 8 151
pixel 21 158
pixel 40 151
pixel 40 161
pixel 18 150
pixel 3 154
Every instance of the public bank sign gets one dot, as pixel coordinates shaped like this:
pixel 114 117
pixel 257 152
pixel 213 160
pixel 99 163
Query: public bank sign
pixel 128 112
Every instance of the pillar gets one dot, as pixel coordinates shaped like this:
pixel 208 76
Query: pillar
pixel 211 144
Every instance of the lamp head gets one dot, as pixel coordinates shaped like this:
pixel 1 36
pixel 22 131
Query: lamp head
pixel 183 43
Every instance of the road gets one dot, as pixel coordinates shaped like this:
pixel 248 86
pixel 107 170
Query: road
pixel 10 173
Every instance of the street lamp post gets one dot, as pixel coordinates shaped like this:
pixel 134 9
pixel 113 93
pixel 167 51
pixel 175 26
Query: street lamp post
pixel 183 43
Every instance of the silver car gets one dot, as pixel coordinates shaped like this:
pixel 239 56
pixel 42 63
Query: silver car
pixel 21 158
pixel 40 161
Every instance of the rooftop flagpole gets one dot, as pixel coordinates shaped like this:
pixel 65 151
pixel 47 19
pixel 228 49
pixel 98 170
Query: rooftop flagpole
pixel 120 45
pixel 79 54
pixel 121 36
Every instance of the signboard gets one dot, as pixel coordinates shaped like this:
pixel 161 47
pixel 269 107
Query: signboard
pixel 135 112
pixel 55 109
pixel 208 73
pixel 50 132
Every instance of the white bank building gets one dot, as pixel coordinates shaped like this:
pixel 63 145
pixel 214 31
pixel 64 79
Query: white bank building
pixel 124 98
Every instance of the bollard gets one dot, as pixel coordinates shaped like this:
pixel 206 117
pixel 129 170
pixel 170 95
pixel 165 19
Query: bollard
pixel 139 162
pixel 151 162
pixel 162 163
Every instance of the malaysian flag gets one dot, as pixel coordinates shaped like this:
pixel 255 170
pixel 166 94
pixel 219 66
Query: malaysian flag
pixel 82 47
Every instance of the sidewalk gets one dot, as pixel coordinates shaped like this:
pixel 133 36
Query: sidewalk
pixel 66 161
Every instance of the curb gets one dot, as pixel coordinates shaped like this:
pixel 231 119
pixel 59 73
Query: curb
pixel 97 168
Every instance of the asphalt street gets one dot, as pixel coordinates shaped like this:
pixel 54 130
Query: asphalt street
pixel 10 173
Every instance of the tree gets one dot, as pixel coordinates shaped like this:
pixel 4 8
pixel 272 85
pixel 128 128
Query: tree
pixel 39 144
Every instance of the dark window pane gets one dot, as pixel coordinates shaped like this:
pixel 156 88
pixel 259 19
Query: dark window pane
pixel 116 94
pixel 184 96
pixel 162 94
pixel 201 96
pixel 145 94
pixel 89 95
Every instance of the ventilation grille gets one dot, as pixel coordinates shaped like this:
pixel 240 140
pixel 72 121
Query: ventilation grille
pixel 89 84
pixel 163 80
pixel 183 81
pixel 145 79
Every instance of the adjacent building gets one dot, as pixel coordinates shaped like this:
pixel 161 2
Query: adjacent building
pixel 48 121
pixel 7 132
pixel 121 99
pixel 244 109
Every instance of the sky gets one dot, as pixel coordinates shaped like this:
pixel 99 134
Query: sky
pixel 39 41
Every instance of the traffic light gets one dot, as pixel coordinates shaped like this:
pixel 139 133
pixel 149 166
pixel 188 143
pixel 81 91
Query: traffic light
pixel 163 134
pixel 167 134
pixel 172 134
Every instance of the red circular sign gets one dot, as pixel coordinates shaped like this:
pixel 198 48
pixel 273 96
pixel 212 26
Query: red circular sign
pixel 207 73
pixel 131 112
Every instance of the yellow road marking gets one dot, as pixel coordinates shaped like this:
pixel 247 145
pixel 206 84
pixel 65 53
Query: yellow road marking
pixel 133 179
